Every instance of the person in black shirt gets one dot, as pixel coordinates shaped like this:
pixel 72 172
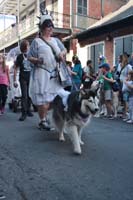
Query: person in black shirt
pixel 23 65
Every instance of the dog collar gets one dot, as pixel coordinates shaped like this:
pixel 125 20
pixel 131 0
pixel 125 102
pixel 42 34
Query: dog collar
pixel 83 117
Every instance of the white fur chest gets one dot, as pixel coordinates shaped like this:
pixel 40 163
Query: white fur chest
pixel 81 121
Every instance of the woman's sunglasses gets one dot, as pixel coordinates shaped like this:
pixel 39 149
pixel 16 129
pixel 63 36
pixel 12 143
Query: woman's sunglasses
pixel 48 23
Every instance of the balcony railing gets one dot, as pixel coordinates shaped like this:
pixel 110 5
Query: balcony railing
pixel 82 22
pixel 19 31
pixel 28 27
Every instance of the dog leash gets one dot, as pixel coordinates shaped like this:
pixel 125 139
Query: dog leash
pixel 58 61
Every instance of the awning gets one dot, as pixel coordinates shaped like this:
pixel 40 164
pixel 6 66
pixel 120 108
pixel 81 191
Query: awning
pixel 103 29
pixel 121 18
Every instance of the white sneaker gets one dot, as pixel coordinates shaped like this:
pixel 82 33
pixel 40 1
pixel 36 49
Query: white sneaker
pixel 48 122
pixel 125 119
pixel 44 125
pixel 130 121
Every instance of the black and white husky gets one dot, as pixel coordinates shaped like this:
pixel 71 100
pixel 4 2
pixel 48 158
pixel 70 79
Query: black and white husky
pixel 81 105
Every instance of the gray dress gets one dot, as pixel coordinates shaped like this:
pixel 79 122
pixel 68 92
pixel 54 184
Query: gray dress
pixel 44 84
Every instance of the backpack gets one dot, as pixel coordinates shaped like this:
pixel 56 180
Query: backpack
pixel 115 86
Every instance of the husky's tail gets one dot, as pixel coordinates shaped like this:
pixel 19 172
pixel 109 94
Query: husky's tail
pixel 58 109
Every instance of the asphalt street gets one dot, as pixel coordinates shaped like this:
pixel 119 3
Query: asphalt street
pixel 34 165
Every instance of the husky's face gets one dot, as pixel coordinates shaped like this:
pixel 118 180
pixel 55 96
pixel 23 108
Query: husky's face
pixel 89 102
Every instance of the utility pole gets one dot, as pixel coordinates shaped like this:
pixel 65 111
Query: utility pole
pixel 4 28
pixel 102 8
pixel 71 15
pixel 18 12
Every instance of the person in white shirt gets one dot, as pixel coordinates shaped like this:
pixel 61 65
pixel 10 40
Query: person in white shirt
pixel 125 68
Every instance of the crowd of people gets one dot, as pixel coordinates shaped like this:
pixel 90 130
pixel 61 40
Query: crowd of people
pixel 115 85
pixel 39 77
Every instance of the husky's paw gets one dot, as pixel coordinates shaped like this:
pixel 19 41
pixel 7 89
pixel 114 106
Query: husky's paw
pixel 77 151
pixel 61 138
pixel 81 142
pixel 97 115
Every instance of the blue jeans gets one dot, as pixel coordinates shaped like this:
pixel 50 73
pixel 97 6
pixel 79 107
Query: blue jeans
pixel 76 86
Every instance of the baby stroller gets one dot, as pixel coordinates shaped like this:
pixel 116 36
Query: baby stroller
pixel 14 94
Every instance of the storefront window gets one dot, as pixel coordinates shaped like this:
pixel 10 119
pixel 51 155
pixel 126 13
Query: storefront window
pixel 123 44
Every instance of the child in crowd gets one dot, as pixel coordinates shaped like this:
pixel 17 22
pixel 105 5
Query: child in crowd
pixel 4 83
pixel 101 60
pixel 129 87
pixel 108 79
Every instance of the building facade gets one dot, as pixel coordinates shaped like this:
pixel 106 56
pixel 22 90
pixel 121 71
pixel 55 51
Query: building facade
pixel 69 17
pixel 110 36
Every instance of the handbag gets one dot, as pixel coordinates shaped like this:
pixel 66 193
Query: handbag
pixel 63 73
pixel 115 86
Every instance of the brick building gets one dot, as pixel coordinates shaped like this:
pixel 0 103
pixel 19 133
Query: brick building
pixel 110 36
pixel 69 17
pixel 94 9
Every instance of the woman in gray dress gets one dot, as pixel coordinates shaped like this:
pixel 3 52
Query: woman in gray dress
pixel 44 84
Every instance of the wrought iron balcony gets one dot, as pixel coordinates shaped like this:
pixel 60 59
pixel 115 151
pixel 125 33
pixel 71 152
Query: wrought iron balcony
pixel 18 31
pixel 29 27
